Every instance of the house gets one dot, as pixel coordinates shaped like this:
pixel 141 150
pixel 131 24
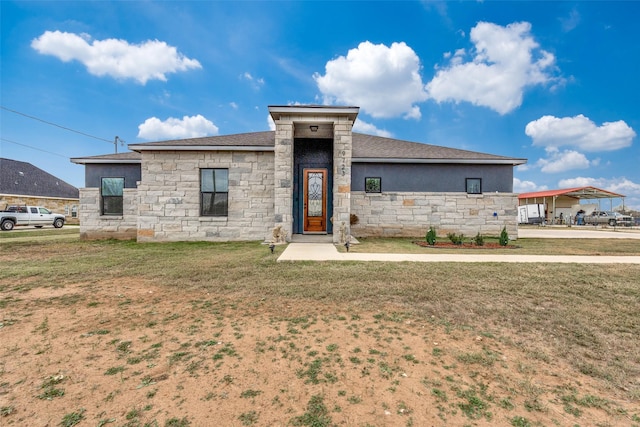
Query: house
pixel 22 183
pixel 312 175
pixel 565 203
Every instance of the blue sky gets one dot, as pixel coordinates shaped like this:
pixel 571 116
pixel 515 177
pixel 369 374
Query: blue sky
pixel 554 82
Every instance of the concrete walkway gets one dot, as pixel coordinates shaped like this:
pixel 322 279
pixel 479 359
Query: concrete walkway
pixel 328 252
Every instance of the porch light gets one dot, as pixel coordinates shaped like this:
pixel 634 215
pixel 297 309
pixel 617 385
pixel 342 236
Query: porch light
pixel 313 128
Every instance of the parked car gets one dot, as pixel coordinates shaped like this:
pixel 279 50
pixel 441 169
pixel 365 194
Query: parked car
pixel 609 217
pixel 36 216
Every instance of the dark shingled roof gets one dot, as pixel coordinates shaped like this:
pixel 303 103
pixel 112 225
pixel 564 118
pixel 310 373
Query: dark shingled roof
pixel 127 157
pixel 365 147
pixel 377 147
pixel 253 139
pixel 23 178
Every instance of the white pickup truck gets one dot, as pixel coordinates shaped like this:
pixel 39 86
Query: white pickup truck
pixel 35 216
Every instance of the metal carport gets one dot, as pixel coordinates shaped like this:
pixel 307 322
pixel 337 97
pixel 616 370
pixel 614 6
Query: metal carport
pixel 578 193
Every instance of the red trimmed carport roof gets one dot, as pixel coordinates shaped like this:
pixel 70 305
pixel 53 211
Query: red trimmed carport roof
pixel 578 193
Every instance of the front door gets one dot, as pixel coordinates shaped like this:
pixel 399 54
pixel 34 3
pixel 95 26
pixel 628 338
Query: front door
pixel 315 201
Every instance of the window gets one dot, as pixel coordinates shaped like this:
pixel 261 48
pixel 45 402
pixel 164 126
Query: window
pixel 373 185
pixel 474 186
pixel 214 192
pixel 111 196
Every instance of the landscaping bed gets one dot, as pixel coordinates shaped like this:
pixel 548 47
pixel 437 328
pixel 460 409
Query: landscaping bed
pixel 469 245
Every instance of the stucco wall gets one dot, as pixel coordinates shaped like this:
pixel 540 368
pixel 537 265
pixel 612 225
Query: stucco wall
pixel 169 196
pixel 433 177
pixel 410 214
pixel 94 173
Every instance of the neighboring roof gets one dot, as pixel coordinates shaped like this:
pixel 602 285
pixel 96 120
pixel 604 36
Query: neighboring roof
pixel 128 157
pixel 366 149
pixel 577 192
pixel 22 178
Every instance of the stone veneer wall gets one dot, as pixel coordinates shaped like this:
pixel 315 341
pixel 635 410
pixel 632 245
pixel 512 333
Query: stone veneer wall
pixel 285 134
pixel 342 149
pixel 411 214
pixel 96 226
pixel 169 196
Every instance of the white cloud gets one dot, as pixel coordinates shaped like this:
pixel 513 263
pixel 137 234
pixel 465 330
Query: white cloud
pixel 370 129
pixel 172 128
pixel 579 131
pixel 526 186
pixel 150 60
pixel 383 81
pixel 563 161
pixel 505 61
pixel 571 22
pixel 256 83
pixel 271 123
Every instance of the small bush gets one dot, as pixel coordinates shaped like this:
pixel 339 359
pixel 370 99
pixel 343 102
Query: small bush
pixel 479 239
pixel 431 236
pixel 353 219
pixel 456 239
pixel 504 237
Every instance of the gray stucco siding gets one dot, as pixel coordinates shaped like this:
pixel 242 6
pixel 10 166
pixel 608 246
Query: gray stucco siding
pixel 401 177
pixel 94 173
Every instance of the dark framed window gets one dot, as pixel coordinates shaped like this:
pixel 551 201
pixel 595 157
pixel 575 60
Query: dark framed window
pixel 111 191
pixel 373 184
pixel 214 192
pixel 474 185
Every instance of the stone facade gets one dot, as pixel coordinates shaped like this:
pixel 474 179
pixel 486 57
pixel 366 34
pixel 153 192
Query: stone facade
pixel 411 214
pixel 342 149
pixel 169 196
pixel 296 125
pixel 96 226
pixel 165 206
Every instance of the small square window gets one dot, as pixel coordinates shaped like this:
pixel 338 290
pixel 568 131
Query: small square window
pixel 474 186
pixel 373 185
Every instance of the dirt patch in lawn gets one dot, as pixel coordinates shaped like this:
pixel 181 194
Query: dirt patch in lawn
pixel 132 352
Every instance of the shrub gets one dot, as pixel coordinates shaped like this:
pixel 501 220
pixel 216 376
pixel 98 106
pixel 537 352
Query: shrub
pixel 456 239
pixel 504 237
pixel 479 239
pixel 431 236
pixel 353 219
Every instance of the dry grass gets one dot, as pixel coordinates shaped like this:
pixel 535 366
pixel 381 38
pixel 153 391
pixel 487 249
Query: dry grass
pixel 584 317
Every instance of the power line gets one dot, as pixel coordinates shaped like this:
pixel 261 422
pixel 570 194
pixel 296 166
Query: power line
pixel 56 125
pixel 33 148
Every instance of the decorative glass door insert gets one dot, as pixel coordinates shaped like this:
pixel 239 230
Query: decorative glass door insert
pixel 315 200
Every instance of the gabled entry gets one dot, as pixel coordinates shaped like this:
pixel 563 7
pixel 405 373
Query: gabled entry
pixel 315 201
